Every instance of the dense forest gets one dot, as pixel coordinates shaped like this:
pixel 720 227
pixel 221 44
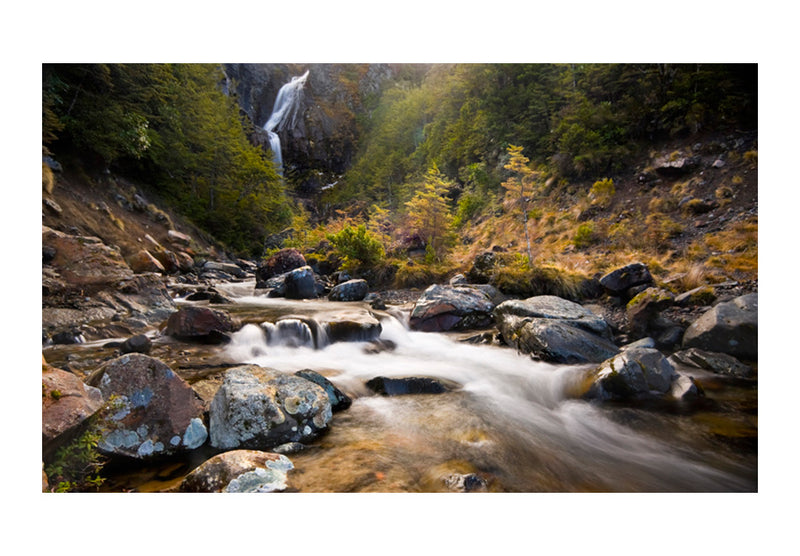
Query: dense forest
pixel 441 150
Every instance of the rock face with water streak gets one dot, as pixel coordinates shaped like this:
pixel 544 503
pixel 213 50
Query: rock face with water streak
pixel 442 308
pixel 240 471
pixel 554 329
pixel 730 327
pixel 258 408
pixel 635 372
pixel 67 403
pixel 156 412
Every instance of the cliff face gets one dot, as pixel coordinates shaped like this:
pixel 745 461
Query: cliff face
pixel 324 141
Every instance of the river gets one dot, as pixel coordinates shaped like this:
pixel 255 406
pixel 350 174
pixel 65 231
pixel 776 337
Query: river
pixel 509 421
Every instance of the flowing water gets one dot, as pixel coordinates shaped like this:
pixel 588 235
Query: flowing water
pixel 511 422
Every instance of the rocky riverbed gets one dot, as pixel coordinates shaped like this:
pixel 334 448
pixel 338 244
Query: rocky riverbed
pixel 228 376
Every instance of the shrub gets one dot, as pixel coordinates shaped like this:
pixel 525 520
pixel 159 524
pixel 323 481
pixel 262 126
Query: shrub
pixel 602 191
pixel 358 248
pixel 751 157
pixel 584 236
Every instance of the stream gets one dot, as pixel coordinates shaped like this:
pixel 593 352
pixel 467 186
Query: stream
pixel 510 420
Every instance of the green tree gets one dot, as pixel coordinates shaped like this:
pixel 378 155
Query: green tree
pixel 520 188
pixel 429 215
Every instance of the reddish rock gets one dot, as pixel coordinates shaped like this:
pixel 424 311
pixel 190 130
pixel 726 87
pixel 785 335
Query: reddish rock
pixel 144 261
pixel 199 323
pixel 280 263
pixel 67 403
pixel 156 413
pixel 85 262
pixel 185 262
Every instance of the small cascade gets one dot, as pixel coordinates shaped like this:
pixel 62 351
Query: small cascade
pixel 284 115
pixel 290 333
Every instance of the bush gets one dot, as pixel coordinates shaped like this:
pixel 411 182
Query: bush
pixel 584 236
pixel 602 191
pixel 357 247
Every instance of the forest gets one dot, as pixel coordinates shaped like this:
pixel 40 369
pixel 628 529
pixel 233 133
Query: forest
pixel 444 152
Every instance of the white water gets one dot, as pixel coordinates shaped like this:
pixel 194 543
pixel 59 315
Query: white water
pixel 524 404
pixel 284 115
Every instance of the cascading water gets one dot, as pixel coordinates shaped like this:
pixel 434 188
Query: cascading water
pixel 510 414
pixel 284 115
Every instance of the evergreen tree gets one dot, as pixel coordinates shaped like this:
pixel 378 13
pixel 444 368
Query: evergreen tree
pixel 429 216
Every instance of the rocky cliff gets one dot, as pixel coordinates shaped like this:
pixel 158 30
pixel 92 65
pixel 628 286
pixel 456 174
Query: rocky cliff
pixel 324 141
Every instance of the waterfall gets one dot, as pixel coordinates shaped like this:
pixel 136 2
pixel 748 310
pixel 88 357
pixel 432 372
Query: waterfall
pixel 284 115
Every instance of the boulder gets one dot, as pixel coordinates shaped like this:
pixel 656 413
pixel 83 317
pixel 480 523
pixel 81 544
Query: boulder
pixel 719 363
pixel 167 258
pixel 156 412
pixel 280 263
pixel 618 281
pixel 258 408
pixel 351 290
pixel 482 268
pixel 144 261
pixel 67 405
pixel 673 166
pixel 635 372
pixel 554 340
pixel 199 324
pixel 339 400
pixel 442 308
pixel 227 268
pixel 185 262
pixel 178 238
pixel 300 283
pixel 644 310
pixel 556 308
pixel 406 385
pixel 85 263
pixel 135 344
pixel 730 327
pixel 240 471
pixel 686 388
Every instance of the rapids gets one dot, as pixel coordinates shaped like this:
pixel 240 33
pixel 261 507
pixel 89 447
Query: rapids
pixel 512 420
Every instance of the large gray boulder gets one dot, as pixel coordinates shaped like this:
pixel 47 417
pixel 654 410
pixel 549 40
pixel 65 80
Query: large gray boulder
pixel 301 283
pixel 557 308
pixel 156 412
pixel 634 372
pixel 442 308
pixel 351 290
pixel 730 327
pixel 554 329
pixel 258 408
pixel 240 471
